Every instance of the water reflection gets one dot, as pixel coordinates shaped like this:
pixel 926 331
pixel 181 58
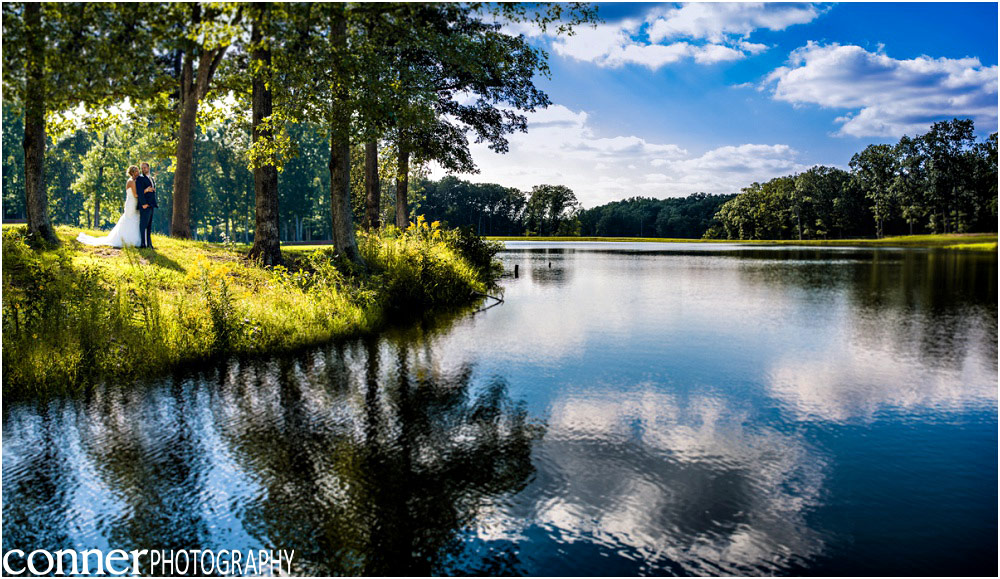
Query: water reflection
pixel 676 485
pixel 918 331
pixel 626 410
pixel 373 469
pixel 365 458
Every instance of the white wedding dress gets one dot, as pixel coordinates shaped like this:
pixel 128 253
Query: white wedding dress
pixel 126 231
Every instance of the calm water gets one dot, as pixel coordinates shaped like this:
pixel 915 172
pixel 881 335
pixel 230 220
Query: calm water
pixel 629 409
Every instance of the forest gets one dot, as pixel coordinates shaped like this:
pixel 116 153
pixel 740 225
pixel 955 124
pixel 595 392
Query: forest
pixel 250 144
pixel 222 96
pixel 941 181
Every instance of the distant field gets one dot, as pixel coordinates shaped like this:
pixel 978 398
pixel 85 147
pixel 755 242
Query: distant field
pixel 975 241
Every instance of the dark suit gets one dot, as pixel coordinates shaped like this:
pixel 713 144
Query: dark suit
pixel 146 215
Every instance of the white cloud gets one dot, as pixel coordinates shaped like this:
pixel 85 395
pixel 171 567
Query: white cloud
pixel 884 96
pixel 716 21
pixel 667 454
pixel 561 147
pixel 714 33
pixel 713 53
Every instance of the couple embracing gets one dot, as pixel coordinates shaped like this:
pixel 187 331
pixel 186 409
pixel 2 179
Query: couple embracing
pixel 135 226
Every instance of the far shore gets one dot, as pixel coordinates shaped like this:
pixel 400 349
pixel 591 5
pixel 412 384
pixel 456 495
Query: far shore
pixel 969 241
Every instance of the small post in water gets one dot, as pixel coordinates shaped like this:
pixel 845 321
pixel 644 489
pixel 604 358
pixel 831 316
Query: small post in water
pixel 515 271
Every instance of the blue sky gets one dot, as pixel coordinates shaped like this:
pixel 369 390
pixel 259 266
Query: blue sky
pixel 663 100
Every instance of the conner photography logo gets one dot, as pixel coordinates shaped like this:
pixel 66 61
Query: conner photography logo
pixel 235 563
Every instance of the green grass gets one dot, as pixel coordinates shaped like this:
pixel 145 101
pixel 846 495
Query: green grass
pixel 965 241
pixel 76 315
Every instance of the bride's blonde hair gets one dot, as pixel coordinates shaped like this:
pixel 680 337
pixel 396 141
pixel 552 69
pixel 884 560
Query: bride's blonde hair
pixel 132 169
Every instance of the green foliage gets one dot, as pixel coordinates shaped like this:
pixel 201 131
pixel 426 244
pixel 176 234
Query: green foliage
pixel 13 161
pixel 941 181
pixel 551 209
pixel 676 217
pixel 874 170
pixel 488 208
pixel 76 315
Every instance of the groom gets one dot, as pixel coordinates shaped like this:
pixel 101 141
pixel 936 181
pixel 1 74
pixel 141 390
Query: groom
pixel 147 203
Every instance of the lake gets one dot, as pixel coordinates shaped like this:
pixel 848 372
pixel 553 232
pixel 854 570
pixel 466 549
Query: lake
pixel 630 408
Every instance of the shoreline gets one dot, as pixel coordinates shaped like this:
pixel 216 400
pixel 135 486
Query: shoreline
pixel 961 241
pixel 76 315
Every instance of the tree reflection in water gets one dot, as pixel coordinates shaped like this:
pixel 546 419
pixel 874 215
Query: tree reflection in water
pixel 365 458
pixel 369 459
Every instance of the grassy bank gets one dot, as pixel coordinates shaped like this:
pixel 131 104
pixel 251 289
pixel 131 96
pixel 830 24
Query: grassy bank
pixel 973 241
pixel 77 314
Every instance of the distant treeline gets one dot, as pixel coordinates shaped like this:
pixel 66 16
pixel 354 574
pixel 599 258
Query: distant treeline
pixel 688 217
pixel 492 209
pixel 942 181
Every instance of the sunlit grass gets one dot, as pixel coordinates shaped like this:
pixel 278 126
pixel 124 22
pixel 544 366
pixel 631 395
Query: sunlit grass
pixel 79 314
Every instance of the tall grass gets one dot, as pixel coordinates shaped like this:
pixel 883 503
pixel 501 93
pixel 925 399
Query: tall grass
pixel 76 315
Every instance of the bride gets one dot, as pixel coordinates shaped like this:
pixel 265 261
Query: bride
pixel 126 231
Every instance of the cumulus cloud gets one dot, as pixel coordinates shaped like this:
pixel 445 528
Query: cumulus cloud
pixel 562 147
pixel 884 96
pixel 712 33
pixel 668 455
pixel 716 22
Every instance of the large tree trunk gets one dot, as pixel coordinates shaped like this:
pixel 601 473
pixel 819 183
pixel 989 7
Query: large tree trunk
pixel 402 186
pixel 194 87
pixel 36 198
pixel 340 158
pixel 180 224
pixel 373 193
pixel 266 237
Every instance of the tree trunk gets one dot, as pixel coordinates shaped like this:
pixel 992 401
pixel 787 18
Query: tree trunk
pixel 180 225
pixel 194 87
pixel 36 198
pixel 340 160
pixel 266 237
pixel 373 192
pixel 402 188
pixel 340 193
pixel 97 197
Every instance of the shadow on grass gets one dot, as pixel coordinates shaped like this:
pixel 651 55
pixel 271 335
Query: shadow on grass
pixel 160 260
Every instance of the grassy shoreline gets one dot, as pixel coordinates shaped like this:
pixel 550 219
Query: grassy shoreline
pixel 965 241
pixel 77 315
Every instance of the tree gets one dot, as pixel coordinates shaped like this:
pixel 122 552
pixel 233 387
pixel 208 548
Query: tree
pixel 985 176
pixel 875 170
pixel 197 36
pixel 373 191
pixel 318 66
pixel 910 183
pixel 550 206
pixel 13 162
pixel 267 240
pixel 447 50
pixel 943 148
pixel 38 76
